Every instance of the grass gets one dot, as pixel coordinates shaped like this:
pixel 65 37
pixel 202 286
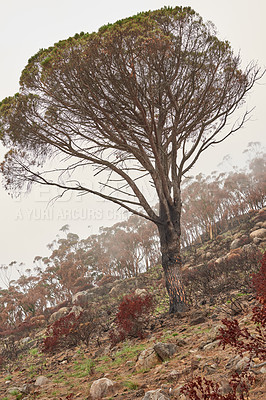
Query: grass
pixel 131 385
pixel 34 351
pixel 83 369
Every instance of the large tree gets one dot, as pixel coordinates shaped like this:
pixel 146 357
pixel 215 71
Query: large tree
pixel 139 101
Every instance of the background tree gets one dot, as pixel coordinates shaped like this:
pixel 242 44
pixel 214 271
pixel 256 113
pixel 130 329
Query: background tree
pixel 139 102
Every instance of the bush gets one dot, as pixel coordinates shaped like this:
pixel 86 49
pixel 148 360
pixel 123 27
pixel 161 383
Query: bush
pixel 61 333
pixel 132 317
pixel 204 389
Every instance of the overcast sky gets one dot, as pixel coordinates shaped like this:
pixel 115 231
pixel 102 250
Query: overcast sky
pixel 28 224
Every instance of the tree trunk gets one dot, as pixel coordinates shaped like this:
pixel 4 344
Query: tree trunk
pixel 171 262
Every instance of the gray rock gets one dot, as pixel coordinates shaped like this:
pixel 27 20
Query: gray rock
pixel 259 233
pixel 165 350
pixel 236 243
pixel 157 394
pixel 102 388
pixel 211 345
pixel 141 292
pixel 147 359
pixel 80 298
pixel 58 314
pixel 238 363
pixel 41 380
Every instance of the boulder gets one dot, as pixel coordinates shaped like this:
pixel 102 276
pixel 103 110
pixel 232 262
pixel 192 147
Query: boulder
pixel 141 292
pixel 147 359
pixel 41 380
pixel 80 298
pixel 165 350
pixel 77 310
pixel 157 394
pixel 259 233
pixel 236 243
pixel 102 388
pixel 58 314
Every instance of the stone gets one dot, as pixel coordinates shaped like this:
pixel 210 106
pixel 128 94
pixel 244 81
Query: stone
pixel 77 310
pixel 141 292
pixel 147 359
pixel 242 364
pixel 174 374
pixel 26 340
pixel 211 345
pixel 224 388
pixel 41 380
pixel 259 233
pixel 27 388
pixel 102 388
pixel 165 350
pixel 58 314
pixel 198 320
pixel 238 363
pixel 157 394
pixel 236 243
pixel 80 298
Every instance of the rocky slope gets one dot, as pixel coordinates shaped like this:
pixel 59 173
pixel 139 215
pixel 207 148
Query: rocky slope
pixel 175 348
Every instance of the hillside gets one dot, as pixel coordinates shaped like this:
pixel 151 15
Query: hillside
pixel 170 350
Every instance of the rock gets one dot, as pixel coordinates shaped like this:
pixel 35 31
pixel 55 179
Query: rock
pixel 27 388
pixel 198 320
pixel 58 314
pixel 174 375
pixel 26 340
pixel 102 388
pixel 147 359
pixel 157 394
pixel 238 363
pixel 210 368
pixel 77 310
pixel 41 380
pixel 80 298
pixel 141 292
pixel 224 388
pixel 140 393
pixel 259 233
pixel 235 244
pixel 165 350
pixel 211 345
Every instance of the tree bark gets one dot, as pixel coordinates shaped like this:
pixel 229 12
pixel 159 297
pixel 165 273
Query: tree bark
pixel 171 262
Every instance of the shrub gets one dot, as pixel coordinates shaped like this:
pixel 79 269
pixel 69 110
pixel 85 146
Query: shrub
pixel 203 389
pixel 70 330
pixel 132 317
pixel 61 333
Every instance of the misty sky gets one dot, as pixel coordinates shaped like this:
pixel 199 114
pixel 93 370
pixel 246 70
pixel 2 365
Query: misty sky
pixel 29 223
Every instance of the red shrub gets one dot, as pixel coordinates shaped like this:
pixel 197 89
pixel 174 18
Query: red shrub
pixel 204 389
pixel 259 281
pixel 61 333
pixel 132 317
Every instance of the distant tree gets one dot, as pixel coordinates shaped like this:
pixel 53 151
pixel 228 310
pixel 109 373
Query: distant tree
pixel 139 102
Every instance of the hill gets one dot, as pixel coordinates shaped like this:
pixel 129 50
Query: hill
pixel 158 352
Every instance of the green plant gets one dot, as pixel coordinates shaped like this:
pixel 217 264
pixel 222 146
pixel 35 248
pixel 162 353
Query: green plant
pixel 34 351
pixel 131 385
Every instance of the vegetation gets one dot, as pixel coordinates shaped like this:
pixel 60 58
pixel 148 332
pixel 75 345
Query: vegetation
pixel 138 103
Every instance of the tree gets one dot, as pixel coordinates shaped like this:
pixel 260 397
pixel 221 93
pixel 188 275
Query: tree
pixel 139 102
